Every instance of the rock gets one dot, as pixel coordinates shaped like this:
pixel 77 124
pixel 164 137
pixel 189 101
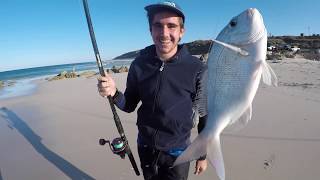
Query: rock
pixel 70 75
pixel 109 71
pixel 55 78
pixel 88 74
pixel 7 83
pixel 10 83
pixel 123 69
pixel 274 56
pixel 63 75
pixel 114 69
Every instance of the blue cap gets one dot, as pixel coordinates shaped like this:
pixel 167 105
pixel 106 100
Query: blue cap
pixel 166 5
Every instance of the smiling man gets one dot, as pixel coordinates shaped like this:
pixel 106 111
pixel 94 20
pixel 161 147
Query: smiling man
pixel 166 79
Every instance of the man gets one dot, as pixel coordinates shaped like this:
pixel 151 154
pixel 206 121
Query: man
pixel 166 79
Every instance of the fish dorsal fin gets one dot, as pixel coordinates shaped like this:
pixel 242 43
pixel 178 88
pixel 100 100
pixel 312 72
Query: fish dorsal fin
pixel 268 75
pixel 232 47
pixel 238 123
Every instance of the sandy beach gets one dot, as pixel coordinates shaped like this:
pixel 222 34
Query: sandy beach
pixel 53 134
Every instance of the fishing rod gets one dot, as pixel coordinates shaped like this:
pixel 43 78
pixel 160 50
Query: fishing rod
pixel 120 145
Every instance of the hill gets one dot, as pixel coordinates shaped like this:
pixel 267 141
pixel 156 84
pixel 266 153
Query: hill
pixel 198 47
pixel 201 47
pixel 304 42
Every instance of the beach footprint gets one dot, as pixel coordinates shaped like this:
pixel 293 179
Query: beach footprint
pixel 268 163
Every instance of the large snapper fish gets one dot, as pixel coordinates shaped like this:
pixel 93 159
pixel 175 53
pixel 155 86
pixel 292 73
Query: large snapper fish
pixel 236 63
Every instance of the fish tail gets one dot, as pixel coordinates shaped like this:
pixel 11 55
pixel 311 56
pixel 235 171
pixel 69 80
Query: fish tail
pixel 204 146
pixel 215 157
pixel 194 151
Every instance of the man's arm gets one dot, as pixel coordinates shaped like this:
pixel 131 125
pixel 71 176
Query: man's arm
pixel 126 101
pixel 201 107
pixel 201 125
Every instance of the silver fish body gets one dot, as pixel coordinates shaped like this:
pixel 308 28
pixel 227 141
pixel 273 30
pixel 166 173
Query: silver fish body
pixel 235 66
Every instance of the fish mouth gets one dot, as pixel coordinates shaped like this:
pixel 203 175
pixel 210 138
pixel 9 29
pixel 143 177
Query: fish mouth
pixel 254 13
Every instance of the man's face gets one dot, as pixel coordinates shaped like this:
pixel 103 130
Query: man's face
pixel 166 33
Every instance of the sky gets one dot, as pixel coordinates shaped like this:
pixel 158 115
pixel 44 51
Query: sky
pixel 37 33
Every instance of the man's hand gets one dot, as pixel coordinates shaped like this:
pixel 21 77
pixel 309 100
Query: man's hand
pixel 201 166
pixel 106 86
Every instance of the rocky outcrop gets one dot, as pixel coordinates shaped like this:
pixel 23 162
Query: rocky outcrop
pixel 88 74
pixel 7 83
pixel 121 69
pixel 64 75
pixel 304 42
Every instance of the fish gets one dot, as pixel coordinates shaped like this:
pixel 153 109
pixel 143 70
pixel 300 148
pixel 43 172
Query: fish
pixel 236 64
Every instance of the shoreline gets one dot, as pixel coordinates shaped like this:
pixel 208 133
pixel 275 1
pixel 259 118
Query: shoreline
pixel 27 86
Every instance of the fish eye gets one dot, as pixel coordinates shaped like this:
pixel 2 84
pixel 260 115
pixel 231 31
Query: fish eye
pixel 233 23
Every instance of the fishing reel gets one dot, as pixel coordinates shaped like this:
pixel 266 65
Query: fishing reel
pixel 117 146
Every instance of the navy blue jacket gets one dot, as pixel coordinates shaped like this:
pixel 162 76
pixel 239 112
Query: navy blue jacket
pixel 167 91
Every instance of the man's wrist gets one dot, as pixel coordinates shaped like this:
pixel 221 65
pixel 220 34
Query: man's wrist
pixel 204 157
pixel 116 95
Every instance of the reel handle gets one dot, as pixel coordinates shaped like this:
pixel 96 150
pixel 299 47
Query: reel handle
pixel 102 142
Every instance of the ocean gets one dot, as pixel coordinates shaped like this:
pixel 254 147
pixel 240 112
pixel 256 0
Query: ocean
pixel 22 80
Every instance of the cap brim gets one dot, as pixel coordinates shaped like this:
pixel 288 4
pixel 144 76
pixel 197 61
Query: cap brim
pixel 158 7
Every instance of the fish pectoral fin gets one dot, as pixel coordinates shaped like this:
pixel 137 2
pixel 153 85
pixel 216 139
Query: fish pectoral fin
pixel 194 151
pixel 232 48
pixel 238 123
pixel 269 77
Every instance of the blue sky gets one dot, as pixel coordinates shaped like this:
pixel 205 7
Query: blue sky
pixel 47 32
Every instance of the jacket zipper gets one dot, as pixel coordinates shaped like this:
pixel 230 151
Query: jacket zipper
pixel 157 98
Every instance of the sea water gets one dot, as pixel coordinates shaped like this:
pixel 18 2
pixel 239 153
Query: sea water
pixel 23 79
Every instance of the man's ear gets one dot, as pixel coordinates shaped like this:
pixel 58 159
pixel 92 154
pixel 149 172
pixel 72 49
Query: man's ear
pixel 150 30
pixel 182 32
